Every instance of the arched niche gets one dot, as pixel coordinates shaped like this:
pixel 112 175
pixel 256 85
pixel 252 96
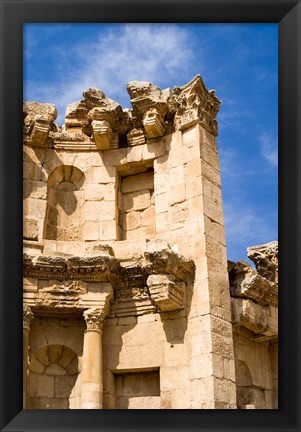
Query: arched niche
pixel 65 200
pixel 53 379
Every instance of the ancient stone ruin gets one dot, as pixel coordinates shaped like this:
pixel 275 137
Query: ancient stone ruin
pixel 129 301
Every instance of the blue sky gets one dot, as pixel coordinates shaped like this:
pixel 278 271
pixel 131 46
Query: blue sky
pixel 240 61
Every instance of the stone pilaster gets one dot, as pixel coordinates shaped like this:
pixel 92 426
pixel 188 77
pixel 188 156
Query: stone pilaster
pixel 27 317
pixel 91 376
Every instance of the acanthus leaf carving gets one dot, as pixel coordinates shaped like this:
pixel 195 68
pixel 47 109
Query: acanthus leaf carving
pixel 94 318
pixel 195 104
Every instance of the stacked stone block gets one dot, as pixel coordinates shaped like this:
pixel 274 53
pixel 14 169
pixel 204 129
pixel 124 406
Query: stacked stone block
pixel 124 228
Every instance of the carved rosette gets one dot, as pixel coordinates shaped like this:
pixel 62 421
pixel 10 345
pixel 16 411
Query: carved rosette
pixel 27 316
pixel 94 319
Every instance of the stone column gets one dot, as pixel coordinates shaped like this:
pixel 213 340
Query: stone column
pixel 91 375
pixel 27 317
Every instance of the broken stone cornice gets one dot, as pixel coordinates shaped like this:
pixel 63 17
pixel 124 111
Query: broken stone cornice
pixel 97 118
pixel 106 267
pixel 265 258
pixel 166 261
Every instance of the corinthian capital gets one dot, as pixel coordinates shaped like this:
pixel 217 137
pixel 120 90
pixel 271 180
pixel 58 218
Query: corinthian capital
pixel 94 318
pixel 27 316
pixel 195 104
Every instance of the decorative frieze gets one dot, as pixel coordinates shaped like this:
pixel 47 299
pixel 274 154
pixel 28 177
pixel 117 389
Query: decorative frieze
pixel 72 268
pixel 136 283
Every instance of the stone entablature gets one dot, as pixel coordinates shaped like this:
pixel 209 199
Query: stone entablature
pixel 131 280
pixel 125 268
pixel 254 294
pixel 96 122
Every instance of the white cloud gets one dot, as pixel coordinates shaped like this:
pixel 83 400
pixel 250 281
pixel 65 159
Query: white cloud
pixel 157 53
pixel 269 148
pixel 247 225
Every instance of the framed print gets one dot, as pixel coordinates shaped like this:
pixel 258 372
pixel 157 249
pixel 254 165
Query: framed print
pixel 131 299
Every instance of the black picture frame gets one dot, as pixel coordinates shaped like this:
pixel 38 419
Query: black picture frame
pixel 14 13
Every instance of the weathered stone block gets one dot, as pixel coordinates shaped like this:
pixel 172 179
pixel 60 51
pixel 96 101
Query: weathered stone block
pixel 177 194
pixel 248 314
pixel 137 182
pixel 138 200
pixel 40 132
pixel 31 229
pixel 167 293
pixel 135 137
pixel 176 175
pixel 45 386
pixel 153 123
pixel 148 217
pixel 104 137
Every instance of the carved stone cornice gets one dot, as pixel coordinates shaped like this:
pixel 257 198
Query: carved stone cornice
pixel 27 316
pixel 150 106
pixel 128 279
pixel 165 292
pixel 245 282
pixel 38 123
pixel 98 123
pixel 254 295
pixel 135 137
pixel 94 319
pixel 265 258
pixel 94 268
pixel 105 138
pixel 166 261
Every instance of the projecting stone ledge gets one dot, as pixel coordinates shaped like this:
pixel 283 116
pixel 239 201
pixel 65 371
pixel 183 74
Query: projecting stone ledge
pixel 97 122
pixel 156 281
pixel 265 258
pixel 38 122
pixel 167 294
pixel 254 295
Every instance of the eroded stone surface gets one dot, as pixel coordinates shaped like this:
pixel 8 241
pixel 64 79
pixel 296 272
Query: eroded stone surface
pixel 128 301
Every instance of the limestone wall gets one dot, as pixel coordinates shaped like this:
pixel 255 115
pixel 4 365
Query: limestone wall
pixel 124 233
pixel 253 373
pixel 55 358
